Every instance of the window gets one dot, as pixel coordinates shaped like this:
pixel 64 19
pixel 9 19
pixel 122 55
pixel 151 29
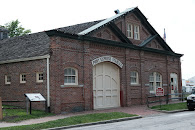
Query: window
pixel 39 77
pixel 155 81
pixel 70 76
pixel 7 79
pixel 134 77
pixel 129 30
pixel 22 78
pixel 133 31
pixel 136 32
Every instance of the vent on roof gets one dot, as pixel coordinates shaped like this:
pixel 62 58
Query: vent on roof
pixel 117 11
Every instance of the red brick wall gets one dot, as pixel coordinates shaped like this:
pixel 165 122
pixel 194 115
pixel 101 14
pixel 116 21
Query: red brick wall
pixel 16 90
pixel 80 56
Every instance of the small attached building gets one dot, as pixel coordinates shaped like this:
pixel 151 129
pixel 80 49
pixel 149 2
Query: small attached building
pixel 108 63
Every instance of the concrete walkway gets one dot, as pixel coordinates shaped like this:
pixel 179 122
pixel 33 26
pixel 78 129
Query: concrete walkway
pixel 141 110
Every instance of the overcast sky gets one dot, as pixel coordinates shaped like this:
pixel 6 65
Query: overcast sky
pixel 176 16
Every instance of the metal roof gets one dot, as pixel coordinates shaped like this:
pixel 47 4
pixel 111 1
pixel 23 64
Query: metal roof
pixel 104 22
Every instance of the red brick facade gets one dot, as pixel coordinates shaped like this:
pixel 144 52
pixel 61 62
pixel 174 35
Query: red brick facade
pixel 78 54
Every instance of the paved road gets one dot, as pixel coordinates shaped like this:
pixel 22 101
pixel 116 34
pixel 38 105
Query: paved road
pixel 177 121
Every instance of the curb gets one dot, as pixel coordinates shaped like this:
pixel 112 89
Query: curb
pixel 175 111
pixel 95 123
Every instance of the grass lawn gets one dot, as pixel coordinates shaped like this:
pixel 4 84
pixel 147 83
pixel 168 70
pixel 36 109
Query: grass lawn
pixel 72 121
pixel 171 107
pixel 16 115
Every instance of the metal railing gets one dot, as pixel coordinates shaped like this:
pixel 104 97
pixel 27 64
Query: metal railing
pixel 166 98
pixel 11 101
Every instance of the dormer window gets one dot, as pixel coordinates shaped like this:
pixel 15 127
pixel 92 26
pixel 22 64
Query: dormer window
pixel 130 31
pixel 136 32
pixel 133 31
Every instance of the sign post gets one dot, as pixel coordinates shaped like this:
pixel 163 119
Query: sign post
pixel 159 93
pixel 33 97
pixel 1 111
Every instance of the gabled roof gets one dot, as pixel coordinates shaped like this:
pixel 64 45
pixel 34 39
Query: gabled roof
pixel 148 40
pixel 38 44
pixel 158 38
pixel 26 46
pixel 82 31
pixel 75 29
pixel 104 22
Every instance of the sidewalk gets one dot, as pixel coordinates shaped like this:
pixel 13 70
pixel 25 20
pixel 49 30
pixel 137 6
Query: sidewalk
pixel 141 110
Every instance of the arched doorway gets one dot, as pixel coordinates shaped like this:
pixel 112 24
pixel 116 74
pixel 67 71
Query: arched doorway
pixel 106 85
pixel 174 85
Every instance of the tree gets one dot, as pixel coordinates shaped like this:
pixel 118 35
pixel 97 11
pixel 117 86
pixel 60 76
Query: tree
pixel 15 29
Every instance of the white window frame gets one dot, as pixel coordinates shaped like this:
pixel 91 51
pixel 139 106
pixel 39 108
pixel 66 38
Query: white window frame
pixel 7 78
pixel 134 75
pixel 39 77
pixel 71 76
pixel 22 78
pixel 155 81
pixel 130 30
pixel 136 32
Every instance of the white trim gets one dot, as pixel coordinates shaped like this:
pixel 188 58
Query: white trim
pixel 155 81
pixel 136 32
pixel 136 78
pixel 48 87
pixel 37 77
pixel 76 76
pixel 25 59
pixel 6 77
pixel 104 22
pixel 129 30
pixel 21 78
pixel 65 86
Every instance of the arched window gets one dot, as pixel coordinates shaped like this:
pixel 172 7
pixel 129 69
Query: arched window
pixel 155 81
pixel 134 77
pixel 70 76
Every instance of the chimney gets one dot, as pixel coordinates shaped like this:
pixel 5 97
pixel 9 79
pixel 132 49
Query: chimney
pixel 117 11
pixel 3 33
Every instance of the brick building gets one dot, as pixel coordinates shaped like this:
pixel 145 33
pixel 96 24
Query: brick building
pixel 108 63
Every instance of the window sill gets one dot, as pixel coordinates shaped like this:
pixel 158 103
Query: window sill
pixel 152 93
pixel 135 84
pixel 65 86
pixel 22 83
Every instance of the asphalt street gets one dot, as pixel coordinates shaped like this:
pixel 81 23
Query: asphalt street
pixel 174 121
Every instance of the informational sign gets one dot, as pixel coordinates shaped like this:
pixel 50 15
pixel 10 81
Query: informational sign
pixel 35 97
pixel 159 92
pixel 107 58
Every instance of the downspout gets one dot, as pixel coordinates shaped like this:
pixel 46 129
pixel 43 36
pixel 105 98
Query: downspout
pixel 168 81
pixel 140 79
pixel 48 87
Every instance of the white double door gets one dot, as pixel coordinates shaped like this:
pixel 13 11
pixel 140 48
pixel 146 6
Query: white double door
pixel 106 85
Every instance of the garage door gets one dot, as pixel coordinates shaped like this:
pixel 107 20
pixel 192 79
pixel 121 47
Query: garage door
pixel 106 90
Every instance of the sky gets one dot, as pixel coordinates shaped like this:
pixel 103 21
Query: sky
pixel 176 16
